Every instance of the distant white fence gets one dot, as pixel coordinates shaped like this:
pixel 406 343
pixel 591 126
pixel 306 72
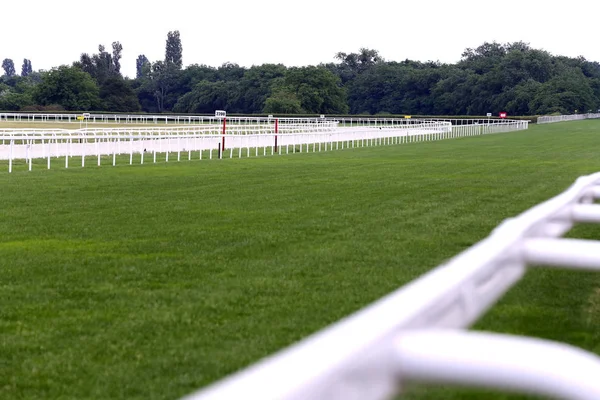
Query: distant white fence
pixel 226 141
pixel 562 118
pixel 495 127
pixel 416 334
pixel 124 119
pixel 198 130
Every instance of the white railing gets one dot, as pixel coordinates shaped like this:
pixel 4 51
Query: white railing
pixel 207 129
pixel 107 118
pixel 495 127
pixel 416 334
pixel 188 119
pixel 211 119
pixel 549 119
pixel 143 119
pixel 241 140
pixel 147 144
pixel 382 121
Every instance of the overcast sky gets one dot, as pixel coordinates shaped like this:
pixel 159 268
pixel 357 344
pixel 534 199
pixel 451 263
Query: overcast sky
pixel 253 32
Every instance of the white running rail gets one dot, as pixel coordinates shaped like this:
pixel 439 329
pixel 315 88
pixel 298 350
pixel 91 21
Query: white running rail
pixel 240 140
pixel 204 129
pixel 142 119
pixel 417 334
pixel 166 119
pixel 549 119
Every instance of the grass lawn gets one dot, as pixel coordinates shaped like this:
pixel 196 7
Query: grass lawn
pixel 151 281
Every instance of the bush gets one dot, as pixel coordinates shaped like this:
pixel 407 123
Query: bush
pixel 52 107
pixel 31 108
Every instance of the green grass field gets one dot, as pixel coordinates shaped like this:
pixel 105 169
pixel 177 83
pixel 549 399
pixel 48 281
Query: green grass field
pixel 153 281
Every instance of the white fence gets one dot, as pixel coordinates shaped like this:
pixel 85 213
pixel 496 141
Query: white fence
pixel 124 119
pixel 247 141
pixel 416 334
pixel 192 119
pixel 563 118
pixel 478 128
pixel 206 129
pixel 242 140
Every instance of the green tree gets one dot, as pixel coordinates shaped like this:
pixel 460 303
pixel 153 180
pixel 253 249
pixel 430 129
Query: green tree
pixel 565 93
pixel 118 96
pixel 141 61
pixel 452 93
pixel 353 64
pixel 206 97
pixel 317 89
pixel 519 98
pixel 397 88
pixel 117 54
pixel 144 87
pixel 174 50
pixel 483 58
pixel 13 101
pixel 283 102
pixel 257 86
pixel 26 69
pixel 101 66
pixel 70 87
pixel 230 72
pixel 163 76
pixel 9 67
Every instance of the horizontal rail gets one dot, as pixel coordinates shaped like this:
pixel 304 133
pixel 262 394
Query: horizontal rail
pixel 195 129
pixel 374 352
pixel 96 118
pixel 424 126
pixel 493 361
pixel 549 119
pixel 32 144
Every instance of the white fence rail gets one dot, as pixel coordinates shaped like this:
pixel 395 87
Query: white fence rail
pixel 484 128
pixel 124 119
pixel 416 334
pixel 562 118
pixel 239 141
pixel 198 130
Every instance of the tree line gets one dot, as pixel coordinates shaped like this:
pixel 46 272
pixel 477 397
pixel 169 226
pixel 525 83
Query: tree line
pixel 493 77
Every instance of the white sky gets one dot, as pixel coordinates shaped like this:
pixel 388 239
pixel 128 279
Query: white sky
pixel 307 32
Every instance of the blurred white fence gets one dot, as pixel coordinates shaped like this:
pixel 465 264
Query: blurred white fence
pixel 563 118
pixel 296 126
pixel 166 119
pixel 417 334
pixel 239 140
pixel 124 119
pixel 484 128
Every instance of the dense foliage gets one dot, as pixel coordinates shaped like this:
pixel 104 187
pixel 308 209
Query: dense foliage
pixel 493 77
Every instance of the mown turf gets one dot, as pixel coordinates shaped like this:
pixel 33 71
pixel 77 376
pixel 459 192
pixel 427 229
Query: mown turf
pixel 152 281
